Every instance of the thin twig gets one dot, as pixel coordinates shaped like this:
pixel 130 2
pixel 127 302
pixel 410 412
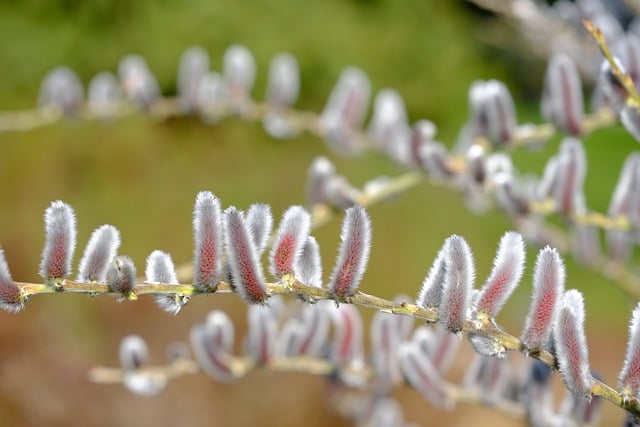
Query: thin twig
pixel 290 286
pixel 625 79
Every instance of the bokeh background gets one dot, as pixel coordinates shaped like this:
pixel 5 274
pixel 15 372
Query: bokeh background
pixel 142 176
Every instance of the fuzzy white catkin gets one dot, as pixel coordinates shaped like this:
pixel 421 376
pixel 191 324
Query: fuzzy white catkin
pixel 246 271
pixel 208 238
pixel 458 281
pixel 548 287
pixel 10 295
pixel 431 292
pixel 102 248
pixel 289 241
pixel 309 266
pixel 508 267
pixel 60 241
pixel 121 275
pixel 160 269
pixel 571 345
pixel 260 223
pixel 133 352
pixel 629 376
pixel 353 254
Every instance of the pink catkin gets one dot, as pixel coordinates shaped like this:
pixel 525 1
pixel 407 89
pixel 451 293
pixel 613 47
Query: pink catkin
pixel 459 277
pixel 505 275
pixel 629 377
pixel 60 228
pixel 353 254
pixel 207 230
pixel 247 275
pixel 290 238
pixel 571 345
pixel 10 295
pixel 548 285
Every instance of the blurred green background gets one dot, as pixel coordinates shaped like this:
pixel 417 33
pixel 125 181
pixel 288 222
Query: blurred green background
pixel 142 175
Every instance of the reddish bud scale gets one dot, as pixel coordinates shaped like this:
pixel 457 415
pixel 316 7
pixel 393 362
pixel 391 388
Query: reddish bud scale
pixel 629 377
pixel 246 272
pixel 548 285
pixel 458 282
pixel 290 238
pixel 207 233
pixel 508 267
pixel 353 253
pixel 60 228
pixel 10 295
pixel 571 345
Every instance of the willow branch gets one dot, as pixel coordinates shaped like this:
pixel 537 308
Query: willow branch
pixel 243 366
pixel 618 72
pixel 289 286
